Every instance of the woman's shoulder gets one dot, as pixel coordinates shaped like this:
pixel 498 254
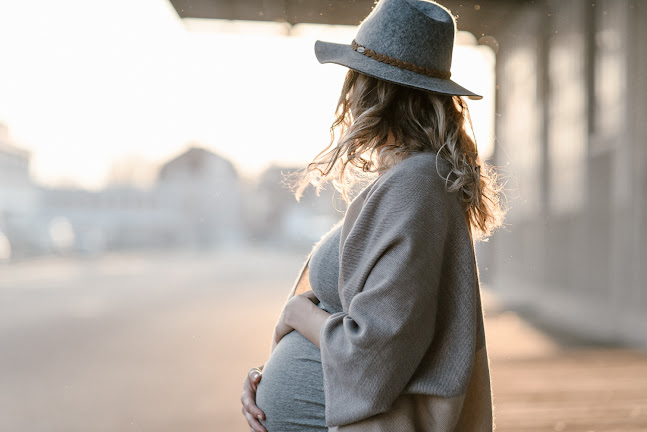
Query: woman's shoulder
pixel 422 164
pixel 414 188
pixel 421 175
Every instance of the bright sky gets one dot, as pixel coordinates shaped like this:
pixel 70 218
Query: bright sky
pixel 87 84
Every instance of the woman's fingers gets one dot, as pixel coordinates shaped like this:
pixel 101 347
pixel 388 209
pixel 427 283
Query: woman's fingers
pixel 248 398
pixel 254 424
pixel 249 407
pixel 254 375
pixel 310 295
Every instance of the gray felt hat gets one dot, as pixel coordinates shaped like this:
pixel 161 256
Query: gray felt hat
pixel 407 42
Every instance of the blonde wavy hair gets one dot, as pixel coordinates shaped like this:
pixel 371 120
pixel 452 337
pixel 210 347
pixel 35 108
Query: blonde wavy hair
pixel 381 123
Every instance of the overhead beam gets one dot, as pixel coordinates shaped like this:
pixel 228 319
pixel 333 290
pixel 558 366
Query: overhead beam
pixel 481 18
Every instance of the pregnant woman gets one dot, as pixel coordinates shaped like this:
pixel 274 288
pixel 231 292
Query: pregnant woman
pixel 383 330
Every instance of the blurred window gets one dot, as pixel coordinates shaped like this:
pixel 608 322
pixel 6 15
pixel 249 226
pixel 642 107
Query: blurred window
pixel 609 65
pixel 520 129
pixel 567 134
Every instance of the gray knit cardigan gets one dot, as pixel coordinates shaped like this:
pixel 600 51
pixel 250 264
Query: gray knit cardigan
pixel 412 321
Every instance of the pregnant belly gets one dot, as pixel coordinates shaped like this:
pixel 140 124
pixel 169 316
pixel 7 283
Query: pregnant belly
pixel 291 390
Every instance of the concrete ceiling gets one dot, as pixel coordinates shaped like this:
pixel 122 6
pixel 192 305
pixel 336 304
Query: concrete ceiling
pixel 482 18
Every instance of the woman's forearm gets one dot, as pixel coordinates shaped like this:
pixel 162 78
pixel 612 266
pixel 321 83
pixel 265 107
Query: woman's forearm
pixel 306 318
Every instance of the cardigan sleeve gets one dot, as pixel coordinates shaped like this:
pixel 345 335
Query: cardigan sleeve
pixel 390 262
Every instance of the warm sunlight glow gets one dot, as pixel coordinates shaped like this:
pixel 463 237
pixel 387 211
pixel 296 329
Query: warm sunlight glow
pixel 473 68
pixel 86 85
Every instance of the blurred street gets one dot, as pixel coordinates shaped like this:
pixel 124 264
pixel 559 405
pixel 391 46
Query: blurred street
pixel 162 342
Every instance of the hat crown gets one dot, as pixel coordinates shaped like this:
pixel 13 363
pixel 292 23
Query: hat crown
pixel 416 31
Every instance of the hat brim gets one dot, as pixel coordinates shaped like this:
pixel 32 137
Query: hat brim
pixel 345 55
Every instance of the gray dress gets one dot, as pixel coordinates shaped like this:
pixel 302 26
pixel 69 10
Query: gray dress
pixel 291 390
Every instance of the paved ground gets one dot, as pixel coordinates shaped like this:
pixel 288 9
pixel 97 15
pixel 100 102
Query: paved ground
pixel 161 342
pixel 540 386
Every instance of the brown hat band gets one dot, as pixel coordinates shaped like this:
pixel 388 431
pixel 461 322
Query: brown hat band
pixel 434 73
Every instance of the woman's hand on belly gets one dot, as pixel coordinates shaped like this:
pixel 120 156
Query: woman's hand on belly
pixel 301 314
pixel 252 412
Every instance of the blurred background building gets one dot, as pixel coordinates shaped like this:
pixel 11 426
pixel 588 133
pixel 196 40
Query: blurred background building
pixel 276 217
pixel 571 103
pixel 203 193
pixel 19 199
pixel 198 201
